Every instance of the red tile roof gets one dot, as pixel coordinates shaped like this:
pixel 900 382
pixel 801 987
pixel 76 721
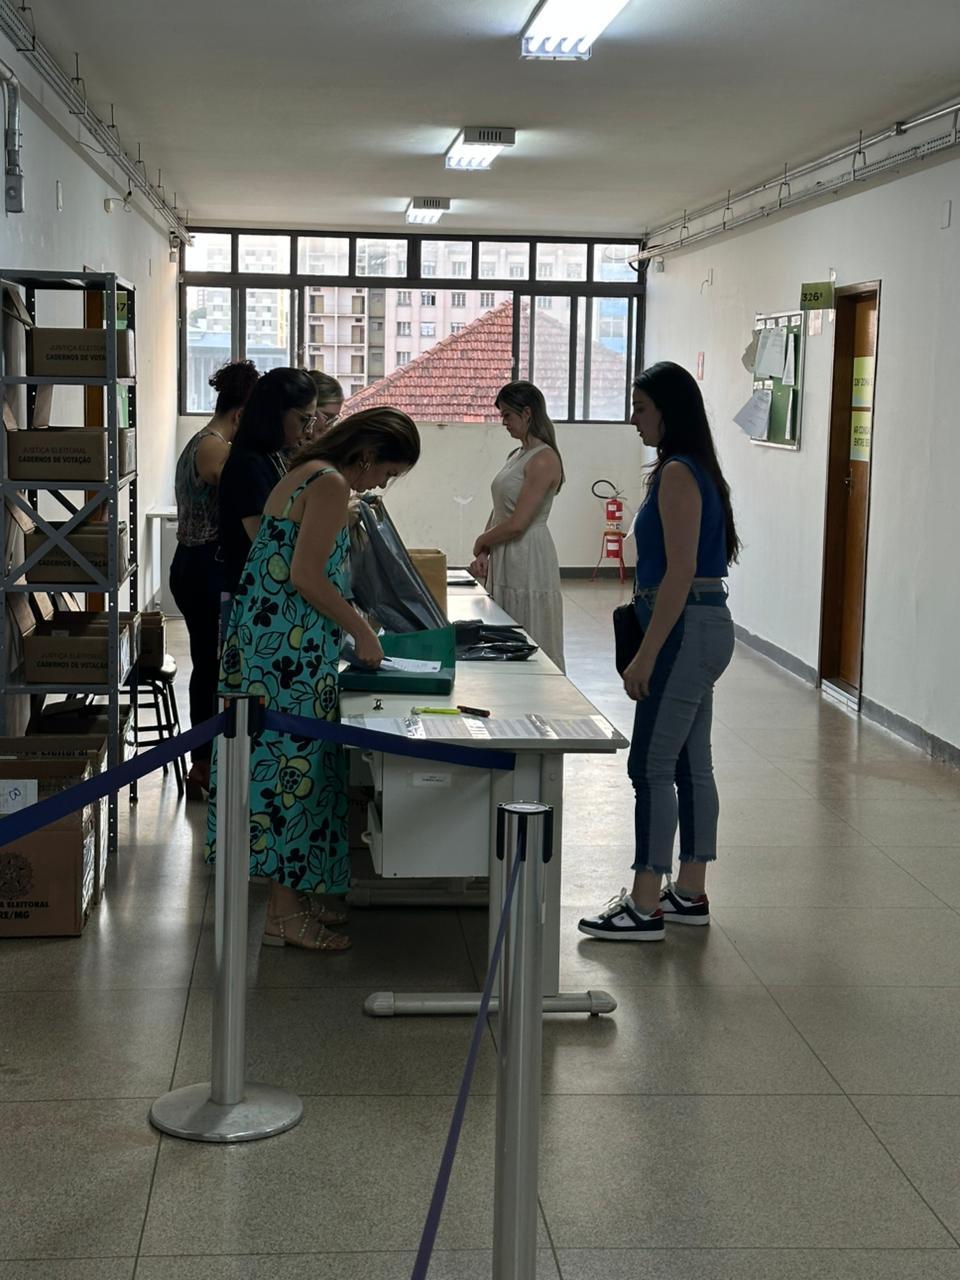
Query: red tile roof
pixel 457 380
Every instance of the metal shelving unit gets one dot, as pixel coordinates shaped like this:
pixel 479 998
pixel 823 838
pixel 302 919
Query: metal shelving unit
pixel 25 495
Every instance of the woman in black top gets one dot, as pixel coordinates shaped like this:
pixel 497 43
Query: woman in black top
pixel 281 408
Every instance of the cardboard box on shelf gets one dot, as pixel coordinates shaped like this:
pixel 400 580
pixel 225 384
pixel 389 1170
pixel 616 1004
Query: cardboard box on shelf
pixel 47 878
pixel 431 564
pixel 89 748
pixel 74 717
pixel 153 639
pixel 77 353
pixel 56 565
pixel 67 454
pixel 72 649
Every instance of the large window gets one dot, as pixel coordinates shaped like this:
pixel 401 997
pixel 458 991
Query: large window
pixel 564 313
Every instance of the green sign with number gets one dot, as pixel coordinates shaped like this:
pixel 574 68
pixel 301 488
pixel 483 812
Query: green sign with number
pixel 817 296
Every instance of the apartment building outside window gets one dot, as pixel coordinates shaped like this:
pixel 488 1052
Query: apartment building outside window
pixel 314 313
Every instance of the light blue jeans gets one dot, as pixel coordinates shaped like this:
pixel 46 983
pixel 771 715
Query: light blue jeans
pixel 671 762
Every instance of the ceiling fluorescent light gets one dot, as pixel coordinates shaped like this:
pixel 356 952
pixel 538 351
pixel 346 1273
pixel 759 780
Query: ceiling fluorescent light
pixel 477 146
pixel 427 209
pixel 565 30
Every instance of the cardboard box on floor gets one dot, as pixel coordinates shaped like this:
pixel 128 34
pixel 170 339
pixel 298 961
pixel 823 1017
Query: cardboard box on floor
pixel 90 539
pixel 91 748
pixel 431 564
pixel 67 454
pixel 47 878
pixel 77 353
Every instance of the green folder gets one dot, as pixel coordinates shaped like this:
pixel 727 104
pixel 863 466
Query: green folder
pixel 439 645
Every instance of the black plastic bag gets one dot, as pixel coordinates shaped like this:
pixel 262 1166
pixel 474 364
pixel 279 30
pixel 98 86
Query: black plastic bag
pixel 384 583
pixel 479 641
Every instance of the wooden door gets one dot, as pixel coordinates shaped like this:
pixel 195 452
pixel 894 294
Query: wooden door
pixel 848 489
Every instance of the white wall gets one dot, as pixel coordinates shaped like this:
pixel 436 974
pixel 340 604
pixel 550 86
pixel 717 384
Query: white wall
pixel 42 238
pixel 889 233
pixel 459 460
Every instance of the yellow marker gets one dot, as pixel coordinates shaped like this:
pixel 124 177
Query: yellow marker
pixel 434 711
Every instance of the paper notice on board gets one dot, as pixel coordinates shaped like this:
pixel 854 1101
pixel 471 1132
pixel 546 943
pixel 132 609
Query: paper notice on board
pixel 788 429
pixel 790 362
pixel 771 353
pixel 754 417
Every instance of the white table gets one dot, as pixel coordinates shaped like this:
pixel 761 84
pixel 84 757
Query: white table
pixel 437 821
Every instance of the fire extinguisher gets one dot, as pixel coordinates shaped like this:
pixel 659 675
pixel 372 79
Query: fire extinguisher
pixel 611 546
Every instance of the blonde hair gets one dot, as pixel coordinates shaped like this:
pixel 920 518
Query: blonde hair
pixel 518 396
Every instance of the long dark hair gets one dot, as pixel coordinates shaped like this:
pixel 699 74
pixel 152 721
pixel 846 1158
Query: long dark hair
pixel 686 431
pixel 261 423
pixel 524 395
pixel 233 384
pixel 386 433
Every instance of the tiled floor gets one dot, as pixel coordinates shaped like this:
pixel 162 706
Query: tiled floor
pixel 777 1096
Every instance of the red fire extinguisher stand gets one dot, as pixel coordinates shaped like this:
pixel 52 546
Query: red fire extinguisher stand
pixel 611 545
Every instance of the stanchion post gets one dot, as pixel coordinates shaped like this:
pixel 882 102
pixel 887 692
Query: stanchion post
pixel 231 887
pixel 520 1036
pixel 228 1108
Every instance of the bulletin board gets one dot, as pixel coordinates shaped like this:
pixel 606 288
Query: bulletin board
pixel 783 431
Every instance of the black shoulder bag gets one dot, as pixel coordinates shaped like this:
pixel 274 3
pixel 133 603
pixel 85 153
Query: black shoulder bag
pixel 627 635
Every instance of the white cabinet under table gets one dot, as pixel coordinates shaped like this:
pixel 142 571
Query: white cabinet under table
pixel 435 821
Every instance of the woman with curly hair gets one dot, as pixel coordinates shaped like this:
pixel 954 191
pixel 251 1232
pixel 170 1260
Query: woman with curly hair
pixel 283 645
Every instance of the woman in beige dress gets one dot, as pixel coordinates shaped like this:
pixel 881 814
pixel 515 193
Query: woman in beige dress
pixel 515 555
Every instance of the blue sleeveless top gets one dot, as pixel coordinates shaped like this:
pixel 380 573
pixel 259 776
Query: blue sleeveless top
pixel 648 532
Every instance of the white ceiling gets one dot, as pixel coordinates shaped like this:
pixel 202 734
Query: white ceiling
pixel 332 113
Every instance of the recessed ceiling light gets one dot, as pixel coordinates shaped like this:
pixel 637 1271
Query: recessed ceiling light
pixel 477 146
pixel 427 209
pixel 565 30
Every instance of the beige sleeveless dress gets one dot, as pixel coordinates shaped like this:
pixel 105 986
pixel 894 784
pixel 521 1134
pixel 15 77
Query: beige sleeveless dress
pixel 524 575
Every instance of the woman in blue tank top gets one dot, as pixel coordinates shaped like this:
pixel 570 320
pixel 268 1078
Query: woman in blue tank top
pixel 686 540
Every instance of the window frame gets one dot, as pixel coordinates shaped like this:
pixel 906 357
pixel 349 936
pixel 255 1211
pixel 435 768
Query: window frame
pixel 296 282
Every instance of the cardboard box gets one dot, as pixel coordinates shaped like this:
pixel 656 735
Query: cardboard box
pixel 153 639
pixel 67 454
pixel 47 878
pixel 431 564
pixel 77 353
pixel 90 540
pixel 75 718
pixel 72 649
pixel 88 748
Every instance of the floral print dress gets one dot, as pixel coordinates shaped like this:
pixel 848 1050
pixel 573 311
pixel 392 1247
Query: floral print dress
pixel 279 647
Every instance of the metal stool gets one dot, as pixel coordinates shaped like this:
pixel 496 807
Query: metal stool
pixel 151 688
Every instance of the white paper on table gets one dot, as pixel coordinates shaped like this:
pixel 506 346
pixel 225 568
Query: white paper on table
pixel 754 417
pixel 790 363
pixel 381 724
pixel 590 727
pixel 771 353
pixel 409 664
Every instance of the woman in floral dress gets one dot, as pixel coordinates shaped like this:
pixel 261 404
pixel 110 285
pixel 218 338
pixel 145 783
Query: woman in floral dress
pixel 283 645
